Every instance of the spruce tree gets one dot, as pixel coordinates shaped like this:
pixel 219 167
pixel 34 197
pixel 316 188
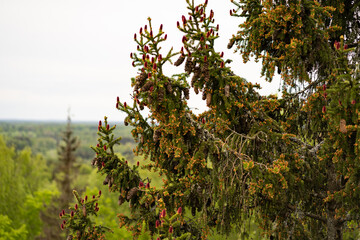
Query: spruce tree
pixel 65 174
pixel 291 161
pixel 67 165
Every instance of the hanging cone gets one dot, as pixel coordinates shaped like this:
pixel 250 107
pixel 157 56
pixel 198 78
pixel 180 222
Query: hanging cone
pixel 208 99
pixel 227 91
pixel 84 211
pixel 121 200
pixel 156 135
pixel 180 60
pixel 187 93
pixel 189 65
pixel 343 126
pixel 132 193
pixel 231 44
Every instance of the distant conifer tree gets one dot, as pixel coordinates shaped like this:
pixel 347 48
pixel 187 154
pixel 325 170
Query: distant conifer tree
pixel 65 174
pixel 67 165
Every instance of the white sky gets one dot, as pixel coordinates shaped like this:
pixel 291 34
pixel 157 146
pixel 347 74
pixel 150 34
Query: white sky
pixel 75 53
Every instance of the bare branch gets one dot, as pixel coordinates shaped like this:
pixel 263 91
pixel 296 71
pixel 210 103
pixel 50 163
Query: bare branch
pixel 307 214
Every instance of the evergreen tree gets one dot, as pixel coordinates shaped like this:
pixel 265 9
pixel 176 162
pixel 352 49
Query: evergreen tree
pixel 293 161
pixel 65 174
pixel 67 165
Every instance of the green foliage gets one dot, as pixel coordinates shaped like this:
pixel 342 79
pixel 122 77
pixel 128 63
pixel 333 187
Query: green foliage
pixel 8 232
pixel 23 177
pixel 34 204
pixel 78 220
pixel 109 207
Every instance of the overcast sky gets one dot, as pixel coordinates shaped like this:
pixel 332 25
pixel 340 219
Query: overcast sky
pixel 75 53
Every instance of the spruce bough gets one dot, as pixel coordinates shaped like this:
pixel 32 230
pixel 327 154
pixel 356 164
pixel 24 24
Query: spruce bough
pixel 292 161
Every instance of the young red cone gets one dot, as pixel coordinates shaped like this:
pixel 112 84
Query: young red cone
pixel 179 211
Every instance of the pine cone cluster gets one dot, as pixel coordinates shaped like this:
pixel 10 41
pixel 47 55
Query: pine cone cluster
pixel 147 86
pixel 196 76
pixel 140 80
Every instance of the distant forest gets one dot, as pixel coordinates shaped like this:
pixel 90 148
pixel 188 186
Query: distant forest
pixel 45 137
pixel 30 176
